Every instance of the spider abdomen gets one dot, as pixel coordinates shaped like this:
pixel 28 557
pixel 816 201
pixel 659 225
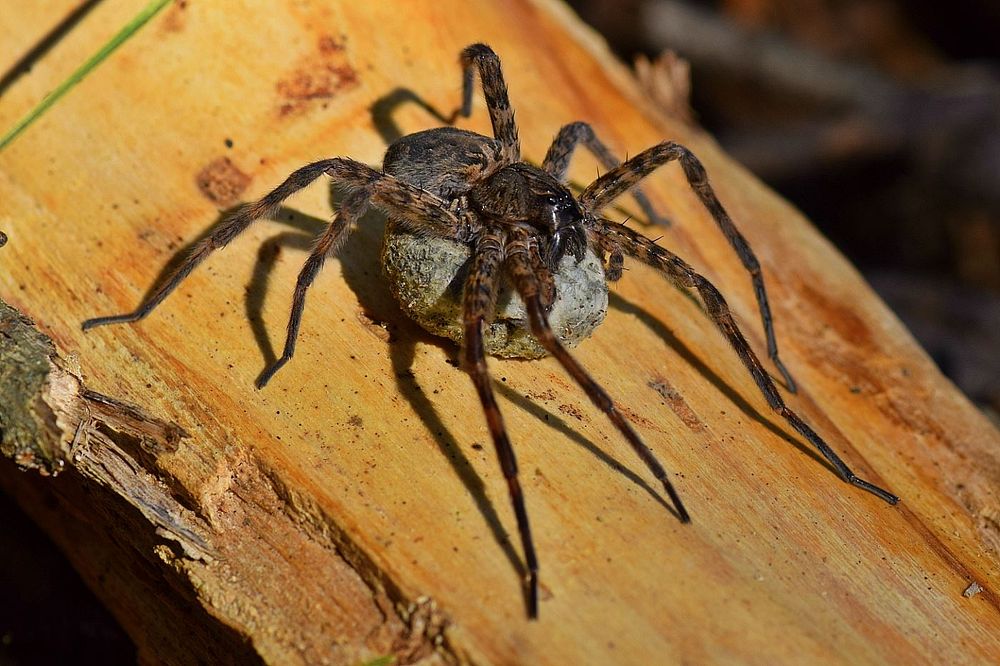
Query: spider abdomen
pixel 445 161
pixel 426 276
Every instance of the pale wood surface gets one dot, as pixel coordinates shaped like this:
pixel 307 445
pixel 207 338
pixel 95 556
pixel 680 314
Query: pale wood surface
pixel 363 448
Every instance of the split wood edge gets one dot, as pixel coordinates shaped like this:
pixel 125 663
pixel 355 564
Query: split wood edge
pixel 51 423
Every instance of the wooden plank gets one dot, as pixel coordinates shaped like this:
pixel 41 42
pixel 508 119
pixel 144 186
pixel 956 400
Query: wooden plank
pixel 363 449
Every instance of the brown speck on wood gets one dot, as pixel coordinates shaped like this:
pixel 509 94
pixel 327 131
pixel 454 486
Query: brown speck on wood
pixel 222 182
pixel 636 418
pixel 676 402
pixel 572 410
pixel 544 396
pixel 175 19
pixel 320 75
pixel 377 328
pixel 329 44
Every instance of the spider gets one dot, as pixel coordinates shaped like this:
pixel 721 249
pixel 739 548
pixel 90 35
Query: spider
pixel 519 225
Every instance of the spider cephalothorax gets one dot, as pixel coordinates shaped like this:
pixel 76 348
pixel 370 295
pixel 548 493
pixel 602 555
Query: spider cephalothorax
pixel 503 221
pixel 525 198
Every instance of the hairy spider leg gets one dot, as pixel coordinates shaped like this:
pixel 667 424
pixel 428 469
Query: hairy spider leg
pixel 678 271
pixel 479 299
pixel 497 100
pixel 227 231
pixel 560 153
pixel 617 181
pixel 518 265
pixel 327 244
pixel 546 281
pixel 418 209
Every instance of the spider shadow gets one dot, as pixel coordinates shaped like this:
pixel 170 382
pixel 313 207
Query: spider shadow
pixel 560 426
pixel 308 228
pixel 358 260
pixel 44 45
pixel 359 264
pixel 361 271
pixel 403 354
pixel 383 109
pixel 667 335
pixel 256 289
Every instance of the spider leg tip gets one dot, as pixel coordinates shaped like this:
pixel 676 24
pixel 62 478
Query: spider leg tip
pixel 97 321
pixel 128 318
pixel 675 498
pixel 885 496
pixel 790 384
pixel 532 581
pixel 271 371
pixel 882 494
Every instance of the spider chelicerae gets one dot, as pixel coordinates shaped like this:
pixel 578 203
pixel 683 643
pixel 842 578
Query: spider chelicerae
pixel 521 226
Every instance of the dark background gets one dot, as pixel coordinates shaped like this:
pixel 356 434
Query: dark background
pixel 880 119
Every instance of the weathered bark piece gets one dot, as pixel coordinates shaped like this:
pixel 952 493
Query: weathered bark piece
pixel 40 398
pixel 354 509
pixel 167 569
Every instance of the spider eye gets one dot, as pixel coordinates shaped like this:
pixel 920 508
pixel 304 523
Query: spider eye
pixel 564 210
pixel 564 213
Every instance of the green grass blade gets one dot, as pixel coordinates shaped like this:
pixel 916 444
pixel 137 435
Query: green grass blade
pixel 387 660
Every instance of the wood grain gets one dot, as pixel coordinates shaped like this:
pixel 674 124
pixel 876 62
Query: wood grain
pixel 362 481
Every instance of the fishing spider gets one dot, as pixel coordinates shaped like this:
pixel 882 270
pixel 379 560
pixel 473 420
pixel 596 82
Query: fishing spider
pixel 520 225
